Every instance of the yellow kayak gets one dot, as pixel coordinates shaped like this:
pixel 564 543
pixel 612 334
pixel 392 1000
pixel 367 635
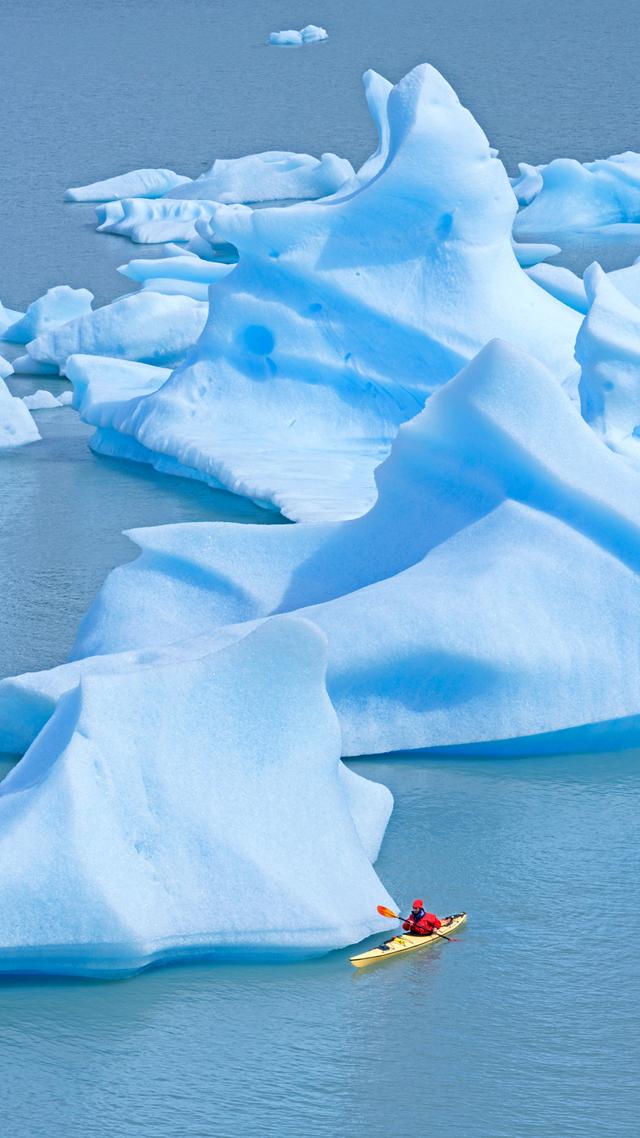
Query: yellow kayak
pixel 407 943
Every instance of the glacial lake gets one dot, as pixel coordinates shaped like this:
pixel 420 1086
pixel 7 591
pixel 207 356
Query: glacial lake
pixel 528 1025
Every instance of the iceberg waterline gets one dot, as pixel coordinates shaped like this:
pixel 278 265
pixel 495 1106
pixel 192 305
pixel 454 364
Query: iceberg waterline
pixel 480 589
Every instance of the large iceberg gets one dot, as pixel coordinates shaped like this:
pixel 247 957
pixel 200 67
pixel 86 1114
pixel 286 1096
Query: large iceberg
pixel 16 425
pixel 343 315
pixel 211 817
pixel 490 599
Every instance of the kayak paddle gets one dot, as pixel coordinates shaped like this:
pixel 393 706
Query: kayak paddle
pixel 384 912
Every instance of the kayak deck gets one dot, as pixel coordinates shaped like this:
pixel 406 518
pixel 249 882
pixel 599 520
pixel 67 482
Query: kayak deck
pixel 406 943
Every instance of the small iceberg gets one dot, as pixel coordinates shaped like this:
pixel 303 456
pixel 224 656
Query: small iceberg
pixel 16 425
pixel 136 184
pixel 290 38
pixel 58 305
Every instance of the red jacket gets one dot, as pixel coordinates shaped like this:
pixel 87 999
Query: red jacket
pixel 424 926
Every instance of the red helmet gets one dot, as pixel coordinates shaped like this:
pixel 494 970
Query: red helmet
pixel 418 904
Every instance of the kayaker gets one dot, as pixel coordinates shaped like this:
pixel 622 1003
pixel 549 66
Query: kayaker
pixel 419 922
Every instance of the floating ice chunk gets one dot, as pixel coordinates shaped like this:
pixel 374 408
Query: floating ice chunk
pixel 532 253
pixel 6 368
pixel 608 350
pixel 134 839
pixel 152 222
pixel 577 197
pixel 65 398
pixel 41 401
pixel 272 176
pixel 144 326
pixel 26 365
pixel 313 34
pixel 100 382
pixel 57 306
pixel 7 317
pixel 16 425
pixel 306 367
pixel 288 38
pixel 492 593
pixel 173 286
pixel 136 184
pixel 185 268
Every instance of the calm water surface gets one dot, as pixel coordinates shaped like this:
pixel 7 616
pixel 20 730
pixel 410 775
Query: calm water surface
pixel 528 1025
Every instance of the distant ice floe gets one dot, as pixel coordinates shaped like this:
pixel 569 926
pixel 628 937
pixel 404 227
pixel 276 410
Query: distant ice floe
pixel 567 196
pixel 16 425
pixel 135 839
pixel 344 314
pixel 135 184
pixel 290 38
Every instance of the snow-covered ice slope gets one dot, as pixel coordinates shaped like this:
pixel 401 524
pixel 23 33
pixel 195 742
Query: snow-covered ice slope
pixel 344 314
pixel 492 593
pixel 210 817
pixel 16 425
pixel 568 196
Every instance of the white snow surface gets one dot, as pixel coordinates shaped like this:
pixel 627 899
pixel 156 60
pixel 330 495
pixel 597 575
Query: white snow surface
pixel 343 315
pixel 137 183
pixel 210 817
pixel 16 425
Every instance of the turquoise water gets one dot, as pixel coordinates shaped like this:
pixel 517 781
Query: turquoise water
pixel 526 1026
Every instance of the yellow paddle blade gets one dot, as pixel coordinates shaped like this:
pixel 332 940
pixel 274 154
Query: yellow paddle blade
pixel 384 912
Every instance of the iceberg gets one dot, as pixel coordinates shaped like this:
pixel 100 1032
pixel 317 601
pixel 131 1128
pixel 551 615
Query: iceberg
pixel 6 368
pixel 137 839
pixel 343 315
pixel 42 400
pixel 489 599
pixel 144 326
pixel 16 425
pixel 567 196
pixel 136 184
pixel 152 222
pixel 275 175
pixel 291 38
pixel 57 306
